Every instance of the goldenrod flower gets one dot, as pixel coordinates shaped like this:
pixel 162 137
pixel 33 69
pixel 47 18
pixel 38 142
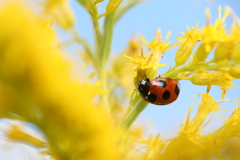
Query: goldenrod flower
pixel 210 36
pixel 142 66
pixel 192 128
pixel 191 143
pixel 235 71
pixel 228 48
pixel 223 80
pixel 148 66
pixel 187 43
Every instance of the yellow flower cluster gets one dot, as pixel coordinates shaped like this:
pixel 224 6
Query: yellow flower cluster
pixel 35 86
pixel 192 144
pixel 223 68
pixel 147 67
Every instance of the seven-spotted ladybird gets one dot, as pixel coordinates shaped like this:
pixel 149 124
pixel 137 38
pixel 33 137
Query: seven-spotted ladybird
pixel 159 91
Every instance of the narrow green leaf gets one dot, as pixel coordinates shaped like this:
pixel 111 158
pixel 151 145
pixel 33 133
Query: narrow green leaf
pixel 126 7
pixel 106 42
pixel 82 2
pixel 135 112
pixel 97 1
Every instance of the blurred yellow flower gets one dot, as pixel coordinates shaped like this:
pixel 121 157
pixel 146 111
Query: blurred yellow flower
pixel 235 71
pixel 61 11
pixel 18 134
pixel 36 84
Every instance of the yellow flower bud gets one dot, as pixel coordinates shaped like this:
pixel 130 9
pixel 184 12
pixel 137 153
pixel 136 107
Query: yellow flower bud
pixel 221 79
pixel 212 78
pixel 185 74
pixel 211 35
pixel 202 52
pixel 223 51
pixel 184 52
pixel 236 54
pixel 187 43
pixel 235 71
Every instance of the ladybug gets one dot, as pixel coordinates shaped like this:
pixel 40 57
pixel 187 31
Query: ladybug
pixel 159 91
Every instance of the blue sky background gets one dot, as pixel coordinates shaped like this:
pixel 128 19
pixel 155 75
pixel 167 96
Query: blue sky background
pixel 174 16
pixel 144 20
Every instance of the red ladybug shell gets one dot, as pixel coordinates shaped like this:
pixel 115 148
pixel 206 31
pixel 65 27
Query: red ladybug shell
pixel 159 91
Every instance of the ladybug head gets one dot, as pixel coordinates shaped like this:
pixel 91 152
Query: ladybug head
pixel 143 87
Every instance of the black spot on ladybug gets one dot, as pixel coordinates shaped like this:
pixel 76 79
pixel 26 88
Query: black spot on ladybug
pixel 176 90
pixel 151 97
pixel 166 95
pixel 162 83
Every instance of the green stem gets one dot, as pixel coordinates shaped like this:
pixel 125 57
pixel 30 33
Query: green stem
pixel 104 100
pixel 104 52
pixel 124 8
pixel 94 15
pixel 106 42
pixel 190 67
pixel 134 99
pixel 135 112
